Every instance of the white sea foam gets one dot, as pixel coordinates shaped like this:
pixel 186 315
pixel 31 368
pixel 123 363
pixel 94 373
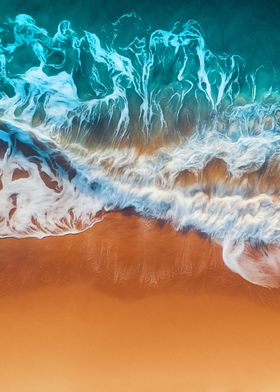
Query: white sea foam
pixel 50 202
pixel 82 91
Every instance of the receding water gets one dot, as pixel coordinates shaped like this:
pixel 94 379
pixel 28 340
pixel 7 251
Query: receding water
pixel 171 109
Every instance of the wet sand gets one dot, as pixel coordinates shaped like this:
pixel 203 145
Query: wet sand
pixel 132 305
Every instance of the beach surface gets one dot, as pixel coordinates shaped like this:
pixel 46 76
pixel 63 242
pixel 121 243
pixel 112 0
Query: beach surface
pixel 132 305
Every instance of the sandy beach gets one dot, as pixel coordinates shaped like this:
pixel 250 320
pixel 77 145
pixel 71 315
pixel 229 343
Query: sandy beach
pixel 132 305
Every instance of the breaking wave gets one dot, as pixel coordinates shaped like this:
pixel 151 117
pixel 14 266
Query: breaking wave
pixel 130 83
pixel 142 119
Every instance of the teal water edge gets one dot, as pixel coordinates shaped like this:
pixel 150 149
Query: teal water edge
pixel 113 105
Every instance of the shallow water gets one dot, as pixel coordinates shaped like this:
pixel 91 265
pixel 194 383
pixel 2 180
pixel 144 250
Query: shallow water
pixel 119 112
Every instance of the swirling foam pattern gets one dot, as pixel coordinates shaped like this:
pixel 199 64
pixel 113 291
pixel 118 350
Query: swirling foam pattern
pixel 151 120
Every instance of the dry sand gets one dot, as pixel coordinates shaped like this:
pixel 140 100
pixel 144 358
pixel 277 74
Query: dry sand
pixel 131 305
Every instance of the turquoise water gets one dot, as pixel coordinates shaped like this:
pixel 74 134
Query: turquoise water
pixel 191 85
pixel 248 28
pixel 124 73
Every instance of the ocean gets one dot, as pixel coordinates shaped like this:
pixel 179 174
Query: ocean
pixel 171 110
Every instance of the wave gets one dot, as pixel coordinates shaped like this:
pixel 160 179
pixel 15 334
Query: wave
pixel 46 192
pixel 130 83
pixel 142 119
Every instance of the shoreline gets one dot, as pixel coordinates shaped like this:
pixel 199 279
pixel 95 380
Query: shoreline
pixel 126 255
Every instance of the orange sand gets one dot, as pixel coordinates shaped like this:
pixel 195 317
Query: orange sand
pixel 131 305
